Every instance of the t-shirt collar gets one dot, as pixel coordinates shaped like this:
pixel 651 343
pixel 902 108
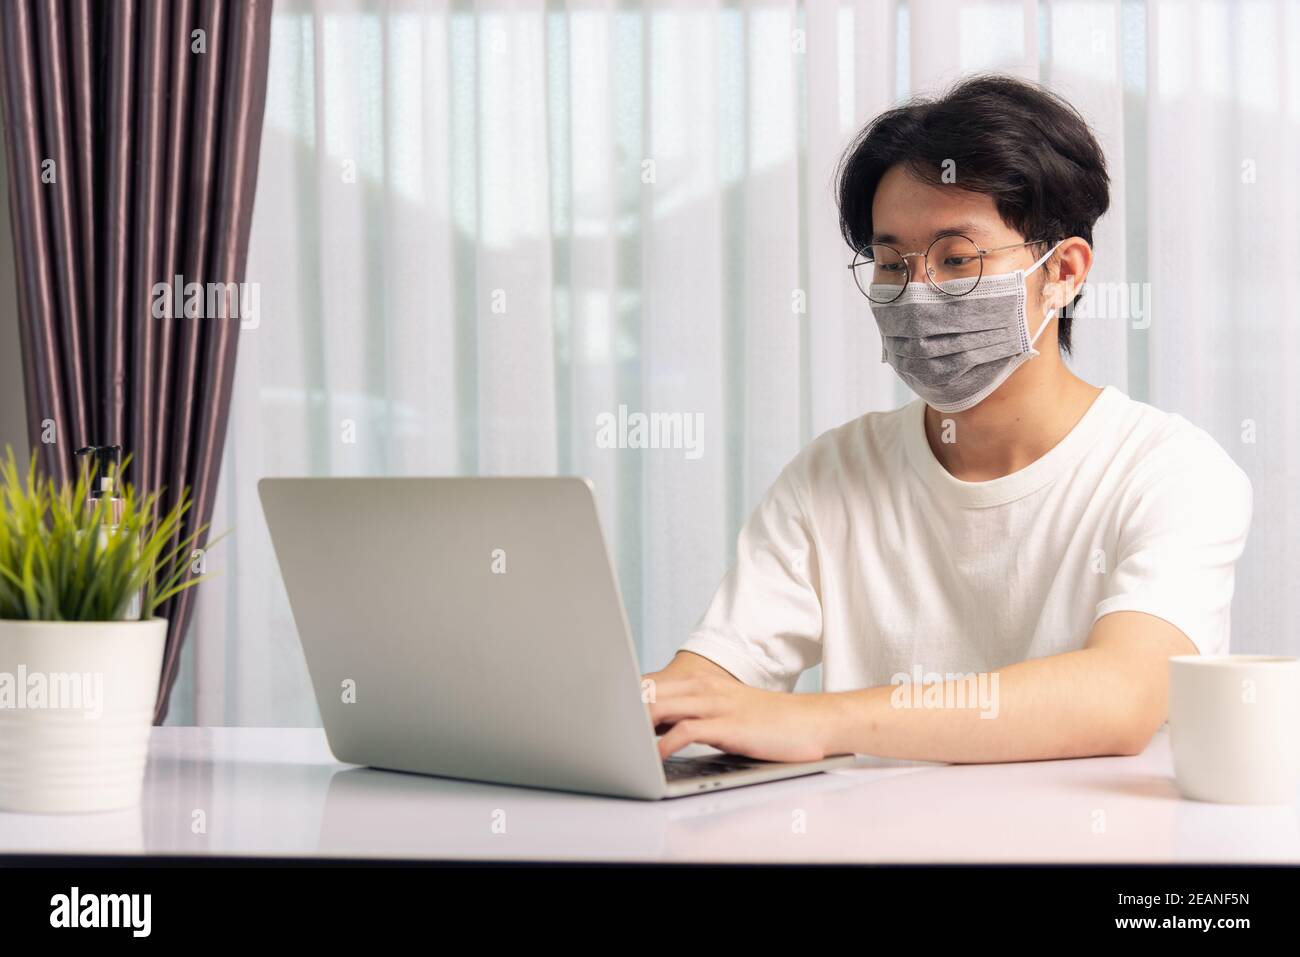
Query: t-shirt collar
pixel 1008 488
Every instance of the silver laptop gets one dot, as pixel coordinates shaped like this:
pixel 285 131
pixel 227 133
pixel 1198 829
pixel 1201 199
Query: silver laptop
pixel 472 628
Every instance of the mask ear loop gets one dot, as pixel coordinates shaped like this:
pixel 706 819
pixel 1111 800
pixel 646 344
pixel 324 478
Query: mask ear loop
pixel 1050 316
pixel 1043 258
pixel 1052 313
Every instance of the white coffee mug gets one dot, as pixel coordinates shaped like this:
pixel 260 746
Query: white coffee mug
pixel 1234 725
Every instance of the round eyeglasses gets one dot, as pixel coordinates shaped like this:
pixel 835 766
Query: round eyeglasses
pixel 953 265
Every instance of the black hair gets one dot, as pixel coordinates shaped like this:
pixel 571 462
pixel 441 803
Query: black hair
pixel 1018 142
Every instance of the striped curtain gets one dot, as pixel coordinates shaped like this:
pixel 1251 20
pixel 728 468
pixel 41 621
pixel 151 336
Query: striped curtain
pixel 484 228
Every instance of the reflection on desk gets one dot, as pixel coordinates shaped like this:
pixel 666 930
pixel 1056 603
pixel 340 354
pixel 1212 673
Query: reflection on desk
pixel 279 792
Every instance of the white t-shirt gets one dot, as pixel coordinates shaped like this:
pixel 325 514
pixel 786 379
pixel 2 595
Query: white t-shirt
pixel 868 556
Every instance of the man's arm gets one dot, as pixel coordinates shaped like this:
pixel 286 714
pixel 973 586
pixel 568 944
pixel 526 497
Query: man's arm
pixel 1110 697
pixel 688 663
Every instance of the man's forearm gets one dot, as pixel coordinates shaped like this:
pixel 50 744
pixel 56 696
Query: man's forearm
pixel 1078 704
pixel 687 663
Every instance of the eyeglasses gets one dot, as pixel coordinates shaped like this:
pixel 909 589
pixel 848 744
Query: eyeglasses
pixel 953 265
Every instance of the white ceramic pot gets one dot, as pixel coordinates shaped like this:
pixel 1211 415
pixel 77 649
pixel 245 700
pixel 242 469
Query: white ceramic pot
pixel 76 709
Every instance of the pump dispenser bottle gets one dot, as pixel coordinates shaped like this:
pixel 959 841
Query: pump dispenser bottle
pixel 107 468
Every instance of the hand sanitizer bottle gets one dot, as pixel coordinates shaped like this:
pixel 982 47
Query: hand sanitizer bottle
pixel 104 484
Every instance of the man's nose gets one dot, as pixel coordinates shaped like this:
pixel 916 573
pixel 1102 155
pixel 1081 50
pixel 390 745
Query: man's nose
pixel 915 267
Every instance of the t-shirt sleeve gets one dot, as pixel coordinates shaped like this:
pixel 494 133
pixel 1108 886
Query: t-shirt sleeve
pixel 1179 544
pixel 764 624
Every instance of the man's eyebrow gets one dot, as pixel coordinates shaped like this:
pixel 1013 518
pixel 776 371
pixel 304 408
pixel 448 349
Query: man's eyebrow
pixel 965 229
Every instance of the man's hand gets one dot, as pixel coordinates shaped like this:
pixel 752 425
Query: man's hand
pixel 698 707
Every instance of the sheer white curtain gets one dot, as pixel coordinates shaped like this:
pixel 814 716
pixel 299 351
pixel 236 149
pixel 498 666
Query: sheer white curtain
pixel 481 226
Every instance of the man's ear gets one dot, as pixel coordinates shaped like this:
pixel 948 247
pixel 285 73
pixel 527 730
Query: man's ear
pixel 1072 264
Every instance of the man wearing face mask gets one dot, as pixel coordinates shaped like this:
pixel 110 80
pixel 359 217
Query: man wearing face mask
pixel 1000 569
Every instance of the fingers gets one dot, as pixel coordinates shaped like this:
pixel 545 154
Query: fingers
pixel 690 731
pixel 674 709
pixel 694 696
pixel 684 708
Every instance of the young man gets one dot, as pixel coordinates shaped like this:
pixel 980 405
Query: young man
pixel 1052 541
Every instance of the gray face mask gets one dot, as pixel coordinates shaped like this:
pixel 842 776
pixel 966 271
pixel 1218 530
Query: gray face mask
pixel 953 351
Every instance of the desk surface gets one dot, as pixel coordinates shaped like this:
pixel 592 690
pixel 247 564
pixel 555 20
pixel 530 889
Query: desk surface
pixel 279 792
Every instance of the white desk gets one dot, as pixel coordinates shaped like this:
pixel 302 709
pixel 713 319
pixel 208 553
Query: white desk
pixel 278 792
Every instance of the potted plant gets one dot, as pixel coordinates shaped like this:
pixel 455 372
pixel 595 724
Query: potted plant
pixel 83 568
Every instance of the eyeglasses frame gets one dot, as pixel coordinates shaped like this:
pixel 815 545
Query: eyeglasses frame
pixel 925 259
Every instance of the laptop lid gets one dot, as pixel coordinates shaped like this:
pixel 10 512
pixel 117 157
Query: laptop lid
pixel 465 627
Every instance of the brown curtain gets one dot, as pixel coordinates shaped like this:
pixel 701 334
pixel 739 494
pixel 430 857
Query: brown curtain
pixel 132 129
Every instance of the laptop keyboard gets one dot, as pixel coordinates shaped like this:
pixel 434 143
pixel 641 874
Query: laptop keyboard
pixel 707 765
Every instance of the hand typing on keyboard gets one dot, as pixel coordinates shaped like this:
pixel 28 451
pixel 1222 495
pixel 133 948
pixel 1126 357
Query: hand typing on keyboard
pixel 688 707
